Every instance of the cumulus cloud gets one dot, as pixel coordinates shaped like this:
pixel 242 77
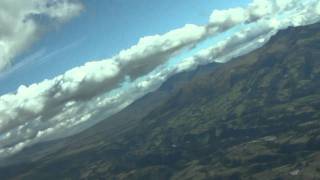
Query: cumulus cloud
pixel 62 102
pixel 87 94
pixel 20 23
pixel 264 9
pixel 259 21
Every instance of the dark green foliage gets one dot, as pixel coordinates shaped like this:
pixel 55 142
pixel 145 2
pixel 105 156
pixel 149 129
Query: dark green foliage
pixel 256 117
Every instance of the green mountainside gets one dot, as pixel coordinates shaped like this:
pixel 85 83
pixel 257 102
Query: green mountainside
pixel 256 117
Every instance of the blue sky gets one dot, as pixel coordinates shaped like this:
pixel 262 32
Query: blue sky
pixel 95 59
pixel 102 30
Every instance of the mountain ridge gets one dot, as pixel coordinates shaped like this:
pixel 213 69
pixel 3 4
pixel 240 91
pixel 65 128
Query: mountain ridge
pixel 130 114
pixel 255 117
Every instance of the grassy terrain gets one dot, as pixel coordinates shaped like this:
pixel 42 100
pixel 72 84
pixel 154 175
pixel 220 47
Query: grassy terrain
pixel 257 117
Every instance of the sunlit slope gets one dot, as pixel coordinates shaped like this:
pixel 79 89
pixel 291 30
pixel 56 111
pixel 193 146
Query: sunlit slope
pixel 256 117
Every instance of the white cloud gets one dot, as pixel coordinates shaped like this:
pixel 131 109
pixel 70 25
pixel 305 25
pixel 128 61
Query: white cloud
pixel 318 8
pixel 20 25
pixel 152 51
pixel 228 18
pixel 70 99
pixel 263 9
pixel 84 95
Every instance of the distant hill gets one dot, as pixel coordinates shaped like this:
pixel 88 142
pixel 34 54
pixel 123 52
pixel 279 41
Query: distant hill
pixel 256 117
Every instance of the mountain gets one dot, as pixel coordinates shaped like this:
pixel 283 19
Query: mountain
pixel 255 117
pixel 126 119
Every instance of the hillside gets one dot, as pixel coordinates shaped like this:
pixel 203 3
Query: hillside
pixel 256 117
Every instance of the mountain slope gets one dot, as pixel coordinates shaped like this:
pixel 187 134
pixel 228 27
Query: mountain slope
pixel 256 117
pixel 100 134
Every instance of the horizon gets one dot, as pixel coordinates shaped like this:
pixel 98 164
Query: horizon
pixel 64 79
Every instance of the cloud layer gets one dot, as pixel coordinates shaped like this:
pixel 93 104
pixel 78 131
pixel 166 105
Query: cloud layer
pixel 21 22
pixel 87 94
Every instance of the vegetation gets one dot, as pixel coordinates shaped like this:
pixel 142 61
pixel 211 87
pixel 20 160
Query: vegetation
pixel 256 117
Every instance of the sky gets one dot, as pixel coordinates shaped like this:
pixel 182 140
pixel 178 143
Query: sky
pixel 65 65
pixel 101 30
